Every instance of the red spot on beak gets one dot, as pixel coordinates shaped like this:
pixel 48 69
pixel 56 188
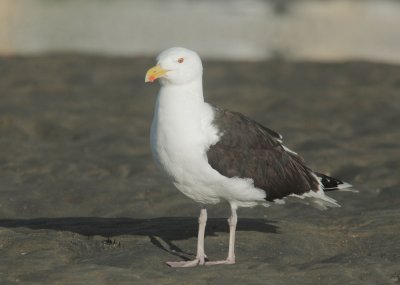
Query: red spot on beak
pixel 152 78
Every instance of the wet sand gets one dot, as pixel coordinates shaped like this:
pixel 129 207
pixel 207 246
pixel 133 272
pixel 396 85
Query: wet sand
pixel 81 201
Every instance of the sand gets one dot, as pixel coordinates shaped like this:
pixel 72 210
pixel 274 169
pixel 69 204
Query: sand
pixel 81 201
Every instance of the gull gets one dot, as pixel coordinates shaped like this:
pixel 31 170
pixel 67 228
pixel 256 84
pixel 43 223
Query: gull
pixel 213 155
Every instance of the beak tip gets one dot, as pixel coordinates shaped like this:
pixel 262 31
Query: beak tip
pixel 149 79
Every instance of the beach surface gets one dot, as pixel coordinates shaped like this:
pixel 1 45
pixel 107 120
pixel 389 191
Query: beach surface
pixel 81 201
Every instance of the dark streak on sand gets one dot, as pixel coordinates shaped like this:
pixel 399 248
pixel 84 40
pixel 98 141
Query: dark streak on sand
pixel 75 158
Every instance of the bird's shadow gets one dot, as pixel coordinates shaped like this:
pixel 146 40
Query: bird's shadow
pixel 159 230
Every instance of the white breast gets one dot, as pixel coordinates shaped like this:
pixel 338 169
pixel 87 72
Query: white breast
pixel 181 133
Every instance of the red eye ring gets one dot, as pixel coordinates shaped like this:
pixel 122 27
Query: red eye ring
pixel 180 60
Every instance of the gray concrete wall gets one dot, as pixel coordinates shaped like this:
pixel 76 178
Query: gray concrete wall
pixel 238 29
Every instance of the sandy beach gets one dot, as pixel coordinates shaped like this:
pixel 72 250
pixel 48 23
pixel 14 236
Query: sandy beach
pixel 81 201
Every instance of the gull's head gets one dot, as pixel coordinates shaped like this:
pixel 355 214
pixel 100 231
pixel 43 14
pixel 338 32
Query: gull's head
pixel 176 66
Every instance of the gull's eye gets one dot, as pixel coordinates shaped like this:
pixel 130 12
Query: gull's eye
pixel 180 60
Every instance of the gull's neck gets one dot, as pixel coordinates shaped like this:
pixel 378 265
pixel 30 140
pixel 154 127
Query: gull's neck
pixel 181 101
pixel 193 90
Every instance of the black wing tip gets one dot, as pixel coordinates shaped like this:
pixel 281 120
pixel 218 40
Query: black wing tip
pixel 332 184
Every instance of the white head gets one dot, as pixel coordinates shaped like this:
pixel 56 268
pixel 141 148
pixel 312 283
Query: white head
pixel 176 66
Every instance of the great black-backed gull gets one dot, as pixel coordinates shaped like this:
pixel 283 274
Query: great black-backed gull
pixel 212 154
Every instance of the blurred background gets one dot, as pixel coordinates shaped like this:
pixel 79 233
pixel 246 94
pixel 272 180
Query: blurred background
pixel 247 30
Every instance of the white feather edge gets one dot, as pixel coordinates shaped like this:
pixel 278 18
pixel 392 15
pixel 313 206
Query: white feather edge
pixel 347 187
pixel 289 150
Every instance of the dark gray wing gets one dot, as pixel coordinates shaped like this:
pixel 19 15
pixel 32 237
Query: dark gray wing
pixel 247 149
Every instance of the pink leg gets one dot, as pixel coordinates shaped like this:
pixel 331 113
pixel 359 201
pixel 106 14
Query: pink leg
pixel 201 256
pixel 232 231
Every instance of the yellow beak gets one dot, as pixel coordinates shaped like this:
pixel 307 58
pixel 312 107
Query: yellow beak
pixel 154 73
